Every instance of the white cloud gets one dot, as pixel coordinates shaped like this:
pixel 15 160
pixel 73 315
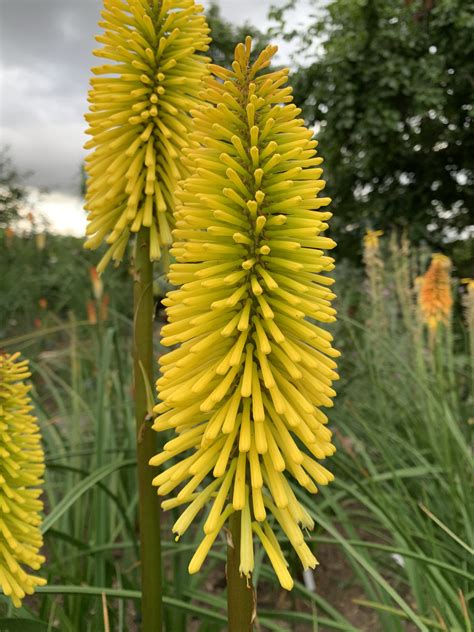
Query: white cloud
pixel 63 213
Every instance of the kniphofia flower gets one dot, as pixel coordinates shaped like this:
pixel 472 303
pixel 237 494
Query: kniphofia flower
pixel 374 267
pixel 468 304
pixel 139 118
pixel 91 312
pixel 371 240
pixel 435 292
pixel 253 367
pixel 468 301
pixel 96 282
pixel 21 471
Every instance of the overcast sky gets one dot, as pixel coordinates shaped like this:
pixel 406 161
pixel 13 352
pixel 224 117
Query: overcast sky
pixel 45 60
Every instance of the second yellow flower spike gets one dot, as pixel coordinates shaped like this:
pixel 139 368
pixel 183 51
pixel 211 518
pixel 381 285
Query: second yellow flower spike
pixel 21 471
pixel 139 118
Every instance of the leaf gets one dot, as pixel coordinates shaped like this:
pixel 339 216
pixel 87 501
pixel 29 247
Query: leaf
pixel 22 625
pixel 98 591
pixel 81 488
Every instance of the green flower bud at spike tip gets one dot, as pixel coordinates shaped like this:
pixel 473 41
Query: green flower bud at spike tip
pixel 21 471
pixel 139 118
pixel 244 388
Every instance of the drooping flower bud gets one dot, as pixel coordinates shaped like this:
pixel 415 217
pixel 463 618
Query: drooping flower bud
pixel 139 118
pixel 21 471
pixel 245 386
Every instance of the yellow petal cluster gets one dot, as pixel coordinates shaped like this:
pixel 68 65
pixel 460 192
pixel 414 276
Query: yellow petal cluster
pixel 21 471
pixel 252 367
pixel 139 118
pixel 435 292
pixel 371 240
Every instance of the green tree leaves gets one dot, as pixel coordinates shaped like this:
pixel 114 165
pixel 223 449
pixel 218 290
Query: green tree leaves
pixel 389 84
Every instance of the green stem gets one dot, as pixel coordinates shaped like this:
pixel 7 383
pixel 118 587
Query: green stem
pixel 149 509
pixel 240 594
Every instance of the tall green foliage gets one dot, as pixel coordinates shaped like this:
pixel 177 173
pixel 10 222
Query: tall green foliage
pixel 388 82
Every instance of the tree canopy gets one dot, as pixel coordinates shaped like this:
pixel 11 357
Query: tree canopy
pixel 389 85
pixel 12 191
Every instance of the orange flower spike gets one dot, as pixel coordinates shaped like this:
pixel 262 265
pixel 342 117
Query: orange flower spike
pixel 91 313
pixel 435 293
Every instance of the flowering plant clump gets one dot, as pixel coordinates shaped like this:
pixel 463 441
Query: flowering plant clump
pixel 245 387
pixel 21 471
pixel 139 118
pixel 435 296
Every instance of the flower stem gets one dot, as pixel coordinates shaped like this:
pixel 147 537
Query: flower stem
pixel 240 593
pixel 149 508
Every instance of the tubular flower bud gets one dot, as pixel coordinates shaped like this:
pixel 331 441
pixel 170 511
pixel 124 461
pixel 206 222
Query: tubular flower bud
pixel 435 292
pixel 21 471
pixel 252 368
pixel 139 118
pixel 96 282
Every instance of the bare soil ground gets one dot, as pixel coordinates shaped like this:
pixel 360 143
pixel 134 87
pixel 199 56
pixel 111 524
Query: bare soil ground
pixel 334 582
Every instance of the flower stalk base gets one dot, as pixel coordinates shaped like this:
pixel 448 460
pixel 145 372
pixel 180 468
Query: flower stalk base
pixel 240 593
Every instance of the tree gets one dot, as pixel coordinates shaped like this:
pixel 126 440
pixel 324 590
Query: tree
pixel 13 194
pixel 226 35
pixel 390 88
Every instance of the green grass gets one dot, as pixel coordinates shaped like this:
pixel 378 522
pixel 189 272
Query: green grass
pixel 399 510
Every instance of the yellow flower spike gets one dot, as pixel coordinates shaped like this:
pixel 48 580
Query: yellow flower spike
pixel 374 266
pixel 468 302
pixel 371 240
pixel 21 471
pixel 435 293
pixel 253 365
pixel 139 119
